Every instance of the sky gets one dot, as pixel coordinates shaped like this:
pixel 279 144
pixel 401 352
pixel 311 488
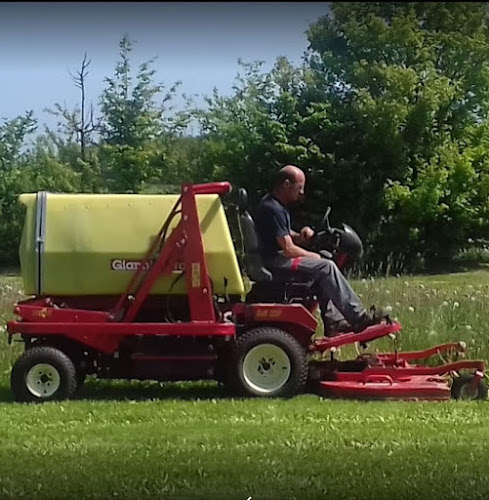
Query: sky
pixel 196 43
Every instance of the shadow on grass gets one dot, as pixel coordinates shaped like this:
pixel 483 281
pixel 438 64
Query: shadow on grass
pixel 121 390
pixel 5 394
pixel 104 390
pixel 126 390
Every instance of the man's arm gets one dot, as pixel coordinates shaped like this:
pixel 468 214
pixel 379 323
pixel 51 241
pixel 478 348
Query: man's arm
pixel 291 250
pixel 278 225
pixel 296 237
pixel 303 237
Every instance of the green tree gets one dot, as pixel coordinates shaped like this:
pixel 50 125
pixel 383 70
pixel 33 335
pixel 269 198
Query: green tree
pixel 26 168
pixel 134 126
pixel 408 84
pixel 13 134
pixel 260 127
pixel 73 143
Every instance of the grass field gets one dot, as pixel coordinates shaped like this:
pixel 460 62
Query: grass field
pixel 147 440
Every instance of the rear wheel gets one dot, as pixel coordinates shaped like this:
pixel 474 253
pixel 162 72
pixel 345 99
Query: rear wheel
pixel 463 387
pixel 43 374
pixel 268 362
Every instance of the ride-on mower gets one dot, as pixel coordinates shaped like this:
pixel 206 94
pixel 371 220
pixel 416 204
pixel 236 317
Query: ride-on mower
pixel 113 297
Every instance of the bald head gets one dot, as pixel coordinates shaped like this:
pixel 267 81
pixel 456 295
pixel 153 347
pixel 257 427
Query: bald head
pixel 289 183
pixel 289 173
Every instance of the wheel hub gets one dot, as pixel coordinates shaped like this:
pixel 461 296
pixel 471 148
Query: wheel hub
pixel 266 368
pixel 265 365
pixel 468 391
pixel 43 380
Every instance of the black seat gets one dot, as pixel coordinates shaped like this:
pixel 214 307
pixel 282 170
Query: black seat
pixel 266 284
pixel 252 258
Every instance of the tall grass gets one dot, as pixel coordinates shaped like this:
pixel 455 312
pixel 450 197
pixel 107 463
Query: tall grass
pixel 431 309
pixel 10 292
pixel 435 309
pixel 187 441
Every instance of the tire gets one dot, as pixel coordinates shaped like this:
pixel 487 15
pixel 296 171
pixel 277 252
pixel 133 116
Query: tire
pixel 267 362
pixel 43 374
pixel 462 389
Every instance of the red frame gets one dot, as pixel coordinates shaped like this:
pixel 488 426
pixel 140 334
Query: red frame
pixel 103 330
pixel 392 376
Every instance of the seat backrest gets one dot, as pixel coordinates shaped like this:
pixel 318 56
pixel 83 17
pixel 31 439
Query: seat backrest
pixel 252 258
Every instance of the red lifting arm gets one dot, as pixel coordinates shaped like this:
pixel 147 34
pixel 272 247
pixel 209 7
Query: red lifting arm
pixel 212 188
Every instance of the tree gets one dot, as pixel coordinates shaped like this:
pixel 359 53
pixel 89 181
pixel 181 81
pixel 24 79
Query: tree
pixel 78 124
pixel 73 142
pixel 13 134
pixel 26 168
pixel 250 134
pixel 408 84
pixel 134 126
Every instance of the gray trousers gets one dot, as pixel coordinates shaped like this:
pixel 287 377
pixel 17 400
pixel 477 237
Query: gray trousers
pixel 336 298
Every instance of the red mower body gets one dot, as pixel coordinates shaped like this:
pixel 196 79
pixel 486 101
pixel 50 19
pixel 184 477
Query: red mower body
pixel 258 348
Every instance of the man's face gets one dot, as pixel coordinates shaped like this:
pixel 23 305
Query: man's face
pixel 295 190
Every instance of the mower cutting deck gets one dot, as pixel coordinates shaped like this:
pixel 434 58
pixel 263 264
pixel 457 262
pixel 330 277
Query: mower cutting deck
pixel 260 346
pixel 395 375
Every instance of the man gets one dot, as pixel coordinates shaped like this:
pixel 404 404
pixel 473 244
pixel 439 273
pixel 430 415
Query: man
pixel 341 309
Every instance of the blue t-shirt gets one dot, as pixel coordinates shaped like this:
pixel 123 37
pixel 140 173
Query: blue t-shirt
pixel 272 221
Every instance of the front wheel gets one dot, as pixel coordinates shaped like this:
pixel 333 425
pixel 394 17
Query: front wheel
pixel 43 374
pixel 268 362
pixel 463 388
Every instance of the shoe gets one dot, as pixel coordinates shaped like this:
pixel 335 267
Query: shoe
pixel 337 328
pixel 373 316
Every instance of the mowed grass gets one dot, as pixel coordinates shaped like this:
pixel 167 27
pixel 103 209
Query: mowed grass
pixel 149 440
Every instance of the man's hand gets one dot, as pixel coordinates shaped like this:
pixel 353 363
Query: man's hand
pixel 306 234
pixel 291 250
pixel 314 256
